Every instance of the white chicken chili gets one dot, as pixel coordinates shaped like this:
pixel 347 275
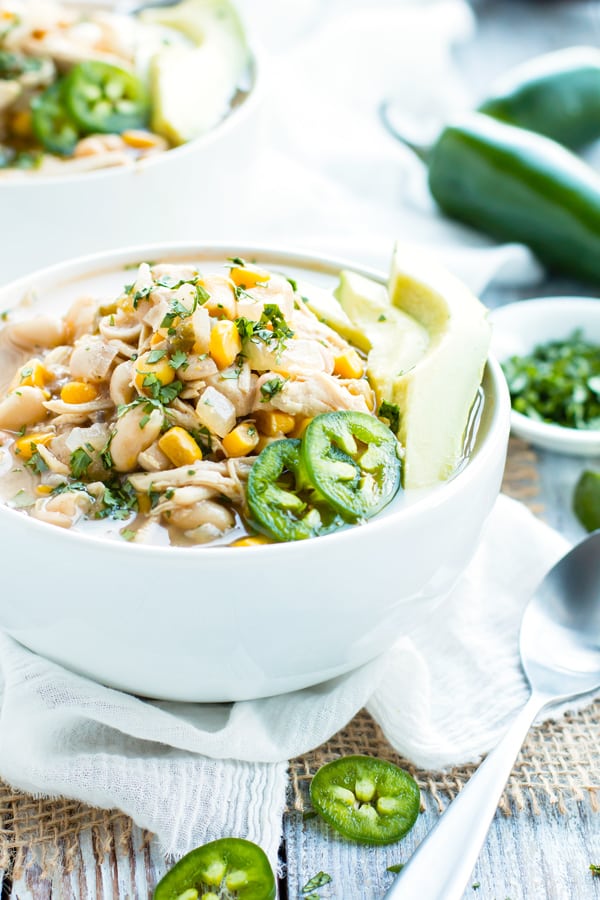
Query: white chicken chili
pixel 151 410
pixel 83 89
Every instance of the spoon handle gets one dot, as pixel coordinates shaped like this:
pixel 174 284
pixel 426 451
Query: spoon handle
pixel 442 864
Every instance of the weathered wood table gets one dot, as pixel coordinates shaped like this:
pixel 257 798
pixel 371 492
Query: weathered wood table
pixel 541 852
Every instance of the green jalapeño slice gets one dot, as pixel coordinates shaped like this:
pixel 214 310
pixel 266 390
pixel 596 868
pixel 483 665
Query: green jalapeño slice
pixel 51 123
pixel 352 460
pixel 104 98
pixel 222 870
pixel 282 503
pixel 366 799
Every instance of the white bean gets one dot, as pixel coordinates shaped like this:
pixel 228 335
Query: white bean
pixel 121 388
pixel 23 407
pixel 206 513
pixel 64 509
pixel 43 331
pixel 133 435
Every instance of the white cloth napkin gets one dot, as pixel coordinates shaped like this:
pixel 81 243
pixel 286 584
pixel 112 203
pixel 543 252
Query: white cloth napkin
pixel 329 178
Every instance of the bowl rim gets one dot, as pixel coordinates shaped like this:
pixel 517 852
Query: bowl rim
pixel 496 426
pixel 560 438
pixel 234 117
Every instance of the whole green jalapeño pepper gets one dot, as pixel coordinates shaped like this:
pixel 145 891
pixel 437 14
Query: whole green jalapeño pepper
pixel 557 95
pixel 227 868
pixel 519 186
pixel 281 501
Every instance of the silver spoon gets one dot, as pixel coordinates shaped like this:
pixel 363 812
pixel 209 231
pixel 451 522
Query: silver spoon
pixel 560 654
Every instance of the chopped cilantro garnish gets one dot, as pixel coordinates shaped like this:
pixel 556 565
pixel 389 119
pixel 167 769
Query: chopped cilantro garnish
pixel 128 534
pixel 155 356
pixel 106 455
pixel 154 497
pixel 395 868
pixel 237 261
pixel 245 327
pixel 271 327
pixel 179 360
pixel 37 463
pixel 178 311
pixel 293 283
pixel 139 295
pixel 13 65
pixel 558 382
pixel 202 295
pixel 164 393
pixel 391 412
pixel 270 388
pixel 148 402
pixel 119 500
pixel 167 281
pixel 80 462
pixel 317 881
pixel 68 486
pixel 203 438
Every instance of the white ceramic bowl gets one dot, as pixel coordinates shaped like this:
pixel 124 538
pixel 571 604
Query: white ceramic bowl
pixel 518 329
pixel 185 191
pixel 230 623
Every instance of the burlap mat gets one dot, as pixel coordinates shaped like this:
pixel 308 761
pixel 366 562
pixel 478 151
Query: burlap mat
pixel 559 762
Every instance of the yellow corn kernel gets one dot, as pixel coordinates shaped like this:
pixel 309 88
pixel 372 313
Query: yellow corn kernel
pixel 78 392
pixel 44 489
pixel 242 440
pixel 248 276
pixel 225 343
pixel 253 540
pixel 157 338
pixel 34 374
pixel 349 365
pixel 20 123
pixel 144 503
pixel 160 370
pixel 271 423
pixel 301 426
pixel 180 447
pixel 125 303
pixel 26 446
pixel 140 140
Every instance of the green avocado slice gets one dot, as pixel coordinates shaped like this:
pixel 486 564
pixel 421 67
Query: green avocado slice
pixel 192 86
pixel 427 341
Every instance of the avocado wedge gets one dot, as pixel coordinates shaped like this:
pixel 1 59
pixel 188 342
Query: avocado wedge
pixel 192 86
pixel 428 341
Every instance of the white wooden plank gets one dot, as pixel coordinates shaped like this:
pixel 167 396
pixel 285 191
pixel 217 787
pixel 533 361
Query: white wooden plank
pixel 526 857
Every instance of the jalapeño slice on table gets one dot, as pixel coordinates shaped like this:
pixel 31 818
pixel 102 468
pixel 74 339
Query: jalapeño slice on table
pixel 229 867
pixel 282 503
pixel 352 460
pixel 366 799
pixel 51 122
pixel 104 98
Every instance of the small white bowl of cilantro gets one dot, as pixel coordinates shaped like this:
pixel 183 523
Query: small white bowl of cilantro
pixel 550 353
